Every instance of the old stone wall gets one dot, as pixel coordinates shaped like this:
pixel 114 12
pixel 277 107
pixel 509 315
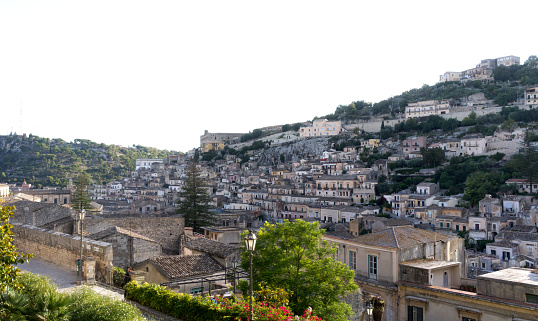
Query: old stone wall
pixel 165 230
pixel 63 249
pixel 123 245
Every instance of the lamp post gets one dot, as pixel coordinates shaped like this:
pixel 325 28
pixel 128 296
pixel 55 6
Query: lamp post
pixel 250 242
pixel 369 310
pixel 234 266
pixel 81 213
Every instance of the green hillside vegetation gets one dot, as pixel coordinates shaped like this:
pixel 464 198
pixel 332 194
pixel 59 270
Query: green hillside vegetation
pixel 509 84
pixel 52 162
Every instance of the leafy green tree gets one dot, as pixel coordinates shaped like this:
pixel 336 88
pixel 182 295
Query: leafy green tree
pixel 9 256
pixel 81 198
pixel 479 184
pixel 509 125
pixel 294 257
pixel 194 201
pixel 432 156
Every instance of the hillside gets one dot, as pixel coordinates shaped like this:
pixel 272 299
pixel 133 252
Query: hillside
pixel 52 162
pixel 509 83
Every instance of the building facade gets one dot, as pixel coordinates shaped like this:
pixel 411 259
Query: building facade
pixel 320 128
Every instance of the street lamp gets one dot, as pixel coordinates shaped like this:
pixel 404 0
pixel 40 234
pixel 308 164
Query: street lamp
pixel 81 215
pixel 369 310
pixel 234 266
pixel 250 242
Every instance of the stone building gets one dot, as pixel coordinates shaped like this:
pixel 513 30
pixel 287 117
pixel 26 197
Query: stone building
pixel 382 259
pixel 128 247
pixel 168 270
pixel 510 294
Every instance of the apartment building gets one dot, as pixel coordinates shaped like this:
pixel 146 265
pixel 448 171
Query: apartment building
pixel 508 61
pixel 413 145
pixel 427 108
pixel 383 259
pixel 531 97
pixel 473 145
pixel 321 127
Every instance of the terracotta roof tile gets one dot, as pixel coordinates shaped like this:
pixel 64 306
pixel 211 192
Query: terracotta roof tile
pixel 401 237
pixel 182 266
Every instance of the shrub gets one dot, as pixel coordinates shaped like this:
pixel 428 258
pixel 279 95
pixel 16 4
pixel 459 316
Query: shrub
pixel 118 276
pixel 188 308
pixel 91 306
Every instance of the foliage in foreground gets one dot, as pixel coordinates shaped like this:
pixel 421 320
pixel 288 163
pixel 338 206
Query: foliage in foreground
pixel 9 257
pixel 189 308
pixel 294 257
pixel 39 299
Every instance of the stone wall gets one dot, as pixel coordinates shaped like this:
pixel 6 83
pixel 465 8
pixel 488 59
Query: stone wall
pixel 122 245
pixel 63 249
pixel 165 230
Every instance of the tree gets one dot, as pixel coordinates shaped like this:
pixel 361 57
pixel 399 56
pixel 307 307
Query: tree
pixel 81 198
pixel 479 184
pixel 9 256
pixel 432 156
pixel 194 201
pixel 293 256
pixel 526 163
pixel 509 125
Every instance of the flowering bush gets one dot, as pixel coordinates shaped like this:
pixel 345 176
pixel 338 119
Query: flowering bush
pixel 189 308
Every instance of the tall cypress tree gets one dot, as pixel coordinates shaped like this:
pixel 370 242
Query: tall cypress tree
pixel 194 201
pixel 81 198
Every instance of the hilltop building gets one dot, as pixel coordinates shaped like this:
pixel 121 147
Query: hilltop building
pixel 321 127
pixel 217 141
pixel 482 71
pixel 427 108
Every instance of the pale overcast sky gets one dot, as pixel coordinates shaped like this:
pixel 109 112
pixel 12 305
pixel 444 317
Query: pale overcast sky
pixel 158 73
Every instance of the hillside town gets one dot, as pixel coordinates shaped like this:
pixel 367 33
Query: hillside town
pixel 418 248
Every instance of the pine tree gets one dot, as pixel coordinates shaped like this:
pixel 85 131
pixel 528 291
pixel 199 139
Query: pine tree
pixel 194 201
pixel 81 198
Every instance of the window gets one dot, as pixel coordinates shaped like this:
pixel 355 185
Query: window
pixel 483 265
pixel 467 319
pixel 415 313
pixel 493 252
pixel 372 266
pixel 506 256
pixel 457 227
pixel 531 298
pixel 353 260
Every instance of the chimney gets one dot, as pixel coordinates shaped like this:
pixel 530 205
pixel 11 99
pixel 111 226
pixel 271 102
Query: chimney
pixel 188 231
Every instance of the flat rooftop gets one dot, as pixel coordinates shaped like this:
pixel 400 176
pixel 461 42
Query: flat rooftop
pixel 513 275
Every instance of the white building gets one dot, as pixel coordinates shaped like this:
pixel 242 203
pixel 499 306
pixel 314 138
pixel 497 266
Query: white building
pixel 145 163
pixel 473 145
pixel 4 190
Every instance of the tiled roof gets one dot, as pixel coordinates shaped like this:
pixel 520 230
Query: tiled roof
pixel 401 237
pixel 182 266
pixel 503 243
pixel 210 247
pixel 340 234
pixel 119 230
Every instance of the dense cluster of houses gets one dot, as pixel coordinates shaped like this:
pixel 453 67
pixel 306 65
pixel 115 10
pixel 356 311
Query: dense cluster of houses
pixel 408 250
